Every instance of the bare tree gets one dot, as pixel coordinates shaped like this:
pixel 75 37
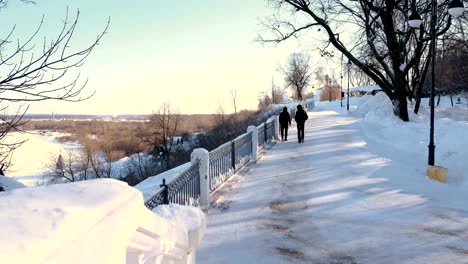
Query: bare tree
pixel 358 78
pixel 138 168
pixel 264 101
pixel 96 157
pixel 162 128
pixel 234 99
pixel 451 68
pixel 382 45
pixel 220 114
pixel 277 94
pixel 297 73
pixel 64 168
pixel 9 123
pixel 31 73
pixel 92 161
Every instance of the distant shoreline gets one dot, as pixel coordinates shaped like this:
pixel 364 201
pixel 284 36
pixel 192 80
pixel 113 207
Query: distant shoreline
pixel 109 117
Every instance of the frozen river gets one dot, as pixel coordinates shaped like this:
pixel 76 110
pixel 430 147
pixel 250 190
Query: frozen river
pixel 30 160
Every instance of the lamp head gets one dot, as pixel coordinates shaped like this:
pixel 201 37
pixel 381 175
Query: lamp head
pixel 415 19
pixel 456 8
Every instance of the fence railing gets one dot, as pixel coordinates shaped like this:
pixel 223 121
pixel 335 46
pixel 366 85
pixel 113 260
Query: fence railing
pixel 242 150
pixel 184 190
pixel 269 132
pixel 261 134
pixel 222 163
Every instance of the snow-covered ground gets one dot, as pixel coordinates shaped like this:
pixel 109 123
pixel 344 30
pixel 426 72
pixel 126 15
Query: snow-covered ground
pixel 93 221
pixel 354 192
pixel 69 223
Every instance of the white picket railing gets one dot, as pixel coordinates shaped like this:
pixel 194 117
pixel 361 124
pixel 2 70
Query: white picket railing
pixel 97 221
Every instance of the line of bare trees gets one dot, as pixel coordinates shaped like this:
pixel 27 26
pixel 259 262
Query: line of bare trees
pixel 373 35
pixel 451 68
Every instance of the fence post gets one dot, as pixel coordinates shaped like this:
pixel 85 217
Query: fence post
pixel 233 155
pixel 165 191
pixel 203 156
pixel 276 128
pixel 254 131
pixel 265 134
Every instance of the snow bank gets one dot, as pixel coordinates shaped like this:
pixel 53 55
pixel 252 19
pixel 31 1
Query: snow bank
pixel 368 88
pixel 84 222
pixel 150 186
pixel 407 141
pixel 410 139
pixel 9 183
pixel 98 221
pixel 189 218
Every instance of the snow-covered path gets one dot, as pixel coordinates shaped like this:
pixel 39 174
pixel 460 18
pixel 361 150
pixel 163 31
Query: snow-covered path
pixel 332 200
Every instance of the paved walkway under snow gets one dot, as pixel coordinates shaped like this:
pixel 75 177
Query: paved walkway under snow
pixel 330 200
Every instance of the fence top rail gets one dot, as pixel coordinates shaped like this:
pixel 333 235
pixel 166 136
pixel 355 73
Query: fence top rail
pixel 243 138
pixel 226 147
pixel 193 169
pixel 150 186
pixel 271 119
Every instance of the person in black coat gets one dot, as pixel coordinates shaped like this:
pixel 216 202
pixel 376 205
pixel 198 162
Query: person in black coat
pixel 285 122
pixel 301 117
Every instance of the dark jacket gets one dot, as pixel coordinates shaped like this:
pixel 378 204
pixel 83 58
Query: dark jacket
pixel 284 118
pixel 301 116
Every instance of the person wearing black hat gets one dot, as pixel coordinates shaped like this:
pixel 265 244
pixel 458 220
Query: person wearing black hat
pixel 285 122
pixel 301 117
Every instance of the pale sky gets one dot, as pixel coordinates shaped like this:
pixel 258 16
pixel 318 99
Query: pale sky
pixel 189 53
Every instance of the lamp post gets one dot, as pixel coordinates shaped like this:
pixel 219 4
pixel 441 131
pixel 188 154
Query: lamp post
pixel 341 92
pixel 348 65
pixel 456 9
pixel 341 83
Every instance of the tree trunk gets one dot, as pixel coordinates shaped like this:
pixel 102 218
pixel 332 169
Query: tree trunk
pixel 451 99
pixel 416 106
pixel 400 108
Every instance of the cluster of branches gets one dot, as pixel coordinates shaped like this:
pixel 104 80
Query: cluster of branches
pixel 375 38
pixel 330 90
pixel 92 161
pixel 297 73
pixel 30 72
pixel 228 127
pixel 160 131
pixel 274 96
pixel 451 68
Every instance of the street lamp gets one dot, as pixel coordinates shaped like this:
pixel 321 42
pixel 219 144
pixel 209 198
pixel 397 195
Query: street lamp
pixel 456 9
pixel 341 82
pixel 348 65
pixel 341 91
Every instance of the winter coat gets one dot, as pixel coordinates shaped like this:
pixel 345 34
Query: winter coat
pixel 301 116
pixel 284 118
